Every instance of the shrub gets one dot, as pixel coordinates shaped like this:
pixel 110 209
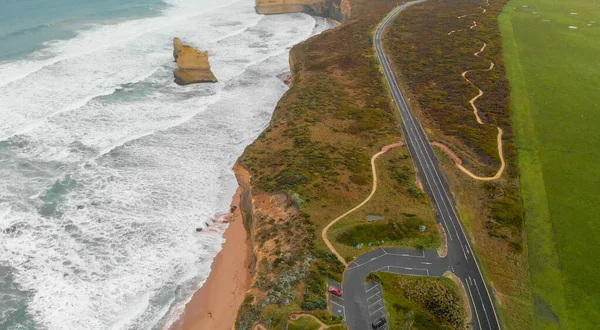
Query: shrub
pixel 507 210
pixel 311 305
pixel 393 230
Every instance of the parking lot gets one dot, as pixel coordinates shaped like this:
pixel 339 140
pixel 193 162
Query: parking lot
pixel 336 304
pixel 375 303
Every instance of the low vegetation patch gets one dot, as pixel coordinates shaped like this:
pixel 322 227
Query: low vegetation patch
pixel 421 302
pixel 392 230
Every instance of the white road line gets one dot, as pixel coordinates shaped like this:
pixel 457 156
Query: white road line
pixel 406 255
pixel 333 302
pixel 482 304
pixel 426 263
pixel 375 303
pixel 359 265
pixel 409 268
pixel 474 306
pixel 374 286
pixel 375 311
pixel 376 294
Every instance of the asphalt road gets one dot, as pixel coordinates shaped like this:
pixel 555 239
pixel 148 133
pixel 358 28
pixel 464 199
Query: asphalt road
pixel 460 259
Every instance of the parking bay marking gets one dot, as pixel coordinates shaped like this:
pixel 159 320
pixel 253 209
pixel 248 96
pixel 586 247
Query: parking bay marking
pixel 376 311
pixel 333 302
pixel 376 294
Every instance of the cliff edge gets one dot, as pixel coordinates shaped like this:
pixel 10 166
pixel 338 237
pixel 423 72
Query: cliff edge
pixel 338 10
pixel 192 65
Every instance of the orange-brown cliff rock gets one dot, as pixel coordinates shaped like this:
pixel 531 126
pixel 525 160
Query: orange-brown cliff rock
pixel 338 10
pixel 192 65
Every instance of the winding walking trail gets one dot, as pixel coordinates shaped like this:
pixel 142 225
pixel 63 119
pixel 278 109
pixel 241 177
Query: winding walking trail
pixel 455 158
pixel 373 190
pixel 322 326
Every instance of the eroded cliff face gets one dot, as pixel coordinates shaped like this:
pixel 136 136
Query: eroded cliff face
pixel 338 10
pixel 192 65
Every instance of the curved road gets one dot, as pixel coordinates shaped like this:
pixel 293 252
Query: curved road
pixel 460 259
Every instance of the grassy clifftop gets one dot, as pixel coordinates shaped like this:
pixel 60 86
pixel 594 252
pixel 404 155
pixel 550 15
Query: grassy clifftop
pixel 316 151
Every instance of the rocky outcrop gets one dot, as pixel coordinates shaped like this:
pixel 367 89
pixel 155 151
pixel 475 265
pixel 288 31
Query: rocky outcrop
pixel 192 65
pixel 338 10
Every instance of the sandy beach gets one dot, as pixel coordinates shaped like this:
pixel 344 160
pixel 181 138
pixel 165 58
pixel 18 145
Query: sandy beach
pixel 214 306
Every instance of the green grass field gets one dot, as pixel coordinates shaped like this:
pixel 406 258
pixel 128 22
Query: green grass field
pixel 554 73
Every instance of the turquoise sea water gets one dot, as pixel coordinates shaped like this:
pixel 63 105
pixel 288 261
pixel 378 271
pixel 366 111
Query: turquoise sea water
pixel 107 167
pixel 25 25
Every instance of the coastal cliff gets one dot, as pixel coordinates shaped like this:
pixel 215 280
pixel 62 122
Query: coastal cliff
pixel 312 163
pixel 192 65
pixel 338 10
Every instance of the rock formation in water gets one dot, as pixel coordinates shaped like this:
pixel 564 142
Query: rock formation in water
pixel 338 10
pixel 192 65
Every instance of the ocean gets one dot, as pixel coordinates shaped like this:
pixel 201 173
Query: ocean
pixel 107 167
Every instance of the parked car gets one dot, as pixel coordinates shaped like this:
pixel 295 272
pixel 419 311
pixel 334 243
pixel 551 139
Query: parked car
pixel 335 291
pixel 378 323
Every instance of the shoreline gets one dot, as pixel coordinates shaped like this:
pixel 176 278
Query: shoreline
pixel 215 305
pixel 230 278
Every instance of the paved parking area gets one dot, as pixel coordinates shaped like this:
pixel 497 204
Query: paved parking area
pixel 375 303
pixel 336 304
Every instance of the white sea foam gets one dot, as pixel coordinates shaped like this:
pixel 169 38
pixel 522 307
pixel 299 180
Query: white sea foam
pixel 108 166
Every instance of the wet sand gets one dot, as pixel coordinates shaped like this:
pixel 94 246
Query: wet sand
pixel 214 306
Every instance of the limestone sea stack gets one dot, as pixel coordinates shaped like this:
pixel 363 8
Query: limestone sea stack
pixel 192 65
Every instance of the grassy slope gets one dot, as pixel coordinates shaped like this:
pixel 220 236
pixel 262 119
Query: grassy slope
pixel 421 302
pixel 554 75
pixel 304 323
pixel 393 201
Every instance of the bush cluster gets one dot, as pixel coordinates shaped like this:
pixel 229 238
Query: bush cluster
pixel 393 230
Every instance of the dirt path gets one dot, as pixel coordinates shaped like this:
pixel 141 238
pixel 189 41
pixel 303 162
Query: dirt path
pixel 373 190
pixel 297 315
pixel 457 160
pixel 322 326
pixel 259 326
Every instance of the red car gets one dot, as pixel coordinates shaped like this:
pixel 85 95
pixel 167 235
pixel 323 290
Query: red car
pixel 335 291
